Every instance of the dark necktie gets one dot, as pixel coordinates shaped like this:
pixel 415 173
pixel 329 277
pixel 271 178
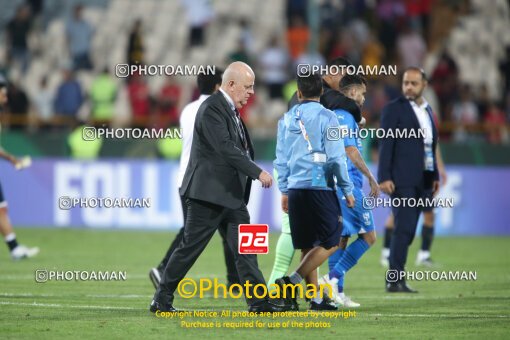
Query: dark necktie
pixel 241 130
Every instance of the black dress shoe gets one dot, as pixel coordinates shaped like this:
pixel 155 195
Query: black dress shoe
pixel 156 306
pixel 326 304
pixel 287 293
pixel 399 287
pixel 268 306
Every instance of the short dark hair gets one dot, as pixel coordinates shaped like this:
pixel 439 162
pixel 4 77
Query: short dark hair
pixel 352 79
pixel 207 82
pixel 310 85
pixel 340 61
pixel 417 69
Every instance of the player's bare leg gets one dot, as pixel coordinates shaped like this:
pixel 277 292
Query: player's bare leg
pixel 311 260
pixel 389 226
pixel 427 235
pixel 17 251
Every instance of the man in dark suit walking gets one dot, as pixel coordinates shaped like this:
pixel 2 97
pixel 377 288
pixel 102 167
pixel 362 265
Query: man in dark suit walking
pixel 217 186
pixel 407 167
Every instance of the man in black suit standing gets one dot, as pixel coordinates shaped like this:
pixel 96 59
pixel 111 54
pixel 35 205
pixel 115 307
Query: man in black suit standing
pixel 407 167
pixel 216 186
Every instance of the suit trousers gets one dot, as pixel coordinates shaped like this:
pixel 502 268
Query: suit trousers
pixel 203 218
pixel 232 276
pixel 406 221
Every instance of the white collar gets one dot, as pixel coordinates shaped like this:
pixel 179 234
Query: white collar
pixel 229 100
pixel 423 106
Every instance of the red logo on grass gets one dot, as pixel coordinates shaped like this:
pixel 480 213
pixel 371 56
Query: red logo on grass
pixel 253 239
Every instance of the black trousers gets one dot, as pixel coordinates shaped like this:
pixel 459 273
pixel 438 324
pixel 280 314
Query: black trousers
pixel 232 276
pixel 203 219
pixel 406 221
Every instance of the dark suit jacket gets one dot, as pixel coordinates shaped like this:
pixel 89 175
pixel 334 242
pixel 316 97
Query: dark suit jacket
pixel 402 160
pixel 219 171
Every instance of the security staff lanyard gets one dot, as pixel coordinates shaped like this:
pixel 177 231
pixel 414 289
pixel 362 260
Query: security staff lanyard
pixel 319 158
pixel 303 130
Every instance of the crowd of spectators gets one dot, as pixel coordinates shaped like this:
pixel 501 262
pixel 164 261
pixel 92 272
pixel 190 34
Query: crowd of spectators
pixel 393 32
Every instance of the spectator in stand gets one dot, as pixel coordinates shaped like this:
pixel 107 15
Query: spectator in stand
pixel 43 102
pixel 389 12
pixel 17 31
pixel 465 113
pixel 239 54
pixel 373 52
pixel 79 37
pixel 17 106
pixel 298 36
pixel 412 49
pixel 139 99
pixel 329 13
pixel 135 52
pixel 418 12
pixel 273 63
pixel 103 92
pixel 375 102
pixel 505 70
pixel 69 97
pixel 445 83
pixel 168 101
pixel 483 100
pixel 495 125
pixel 296 8
pixel 199 13
pixel 246 36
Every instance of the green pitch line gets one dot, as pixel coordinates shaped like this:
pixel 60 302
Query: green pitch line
pixel 119 309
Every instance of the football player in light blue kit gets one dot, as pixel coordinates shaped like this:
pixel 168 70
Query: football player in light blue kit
pixel 357 221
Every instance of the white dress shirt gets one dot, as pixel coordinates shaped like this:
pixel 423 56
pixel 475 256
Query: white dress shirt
pixel 425 121
pixel 187 123
pixel 229 100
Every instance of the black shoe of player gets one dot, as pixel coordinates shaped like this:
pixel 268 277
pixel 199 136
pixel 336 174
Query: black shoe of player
pixel 269 306
pixel 326 304
pixel 287 293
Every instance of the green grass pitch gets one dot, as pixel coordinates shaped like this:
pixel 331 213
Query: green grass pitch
pixel 119 309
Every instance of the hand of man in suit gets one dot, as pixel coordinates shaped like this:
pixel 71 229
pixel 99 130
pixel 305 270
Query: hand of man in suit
pixel 387 187
pixel 266 179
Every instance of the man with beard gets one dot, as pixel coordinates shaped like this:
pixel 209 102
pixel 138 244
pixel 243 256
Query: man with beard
pixel 407 167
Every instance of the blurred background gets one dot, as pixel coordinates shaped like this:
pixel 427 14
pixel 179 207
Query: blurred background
pixel 59 58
